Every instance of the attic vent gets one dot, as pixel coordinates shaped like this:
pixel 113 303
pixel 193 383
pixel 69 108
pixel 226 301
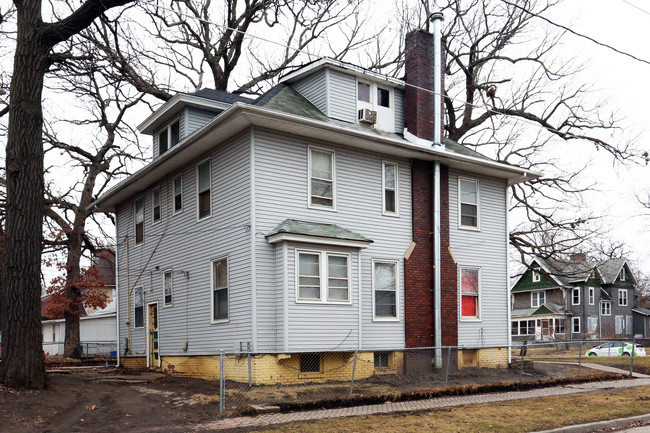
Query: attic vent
pixel 367 116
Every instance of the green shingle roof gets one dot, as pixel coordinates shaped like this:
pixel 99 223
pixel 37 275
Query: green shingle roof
pixel 331 231
pixel 547 308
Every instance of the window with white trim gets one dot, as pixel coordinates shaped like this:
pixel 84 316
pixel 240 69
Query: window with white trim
pixel 523 327
pixel 606 308
pixel 155 206
pixel 469 293
pixel 592 296
pixel 178 194
pixel 575 297
pixel 363 92
pixel 322 182
pixel 323 277
pixel 537 298
pixel 385 288
pixel 537 275
pixel 389 182
pixel 168 287
pixel 139 220
pixel 204 185
pixel 559 326
pixel 169 137
pixel 220 290
pixel 576 325
pixel 623 274
pixel 468 199
pixel 622 297
pixel 138 305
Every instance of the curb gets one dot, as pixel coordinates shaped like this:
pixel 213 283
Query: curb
pixel 594 426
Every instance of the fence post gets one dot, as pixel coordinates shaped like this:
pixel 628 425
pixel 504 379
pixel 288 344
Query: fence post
pixel 522 352
pixel 580 359
pixel 448 362
pixel 222 384
pixel 632 355
pixel 250 376
pixel 354 368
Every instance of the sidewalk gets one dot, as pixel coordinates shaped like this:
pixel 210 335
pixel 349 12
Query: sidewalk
pixel 408 406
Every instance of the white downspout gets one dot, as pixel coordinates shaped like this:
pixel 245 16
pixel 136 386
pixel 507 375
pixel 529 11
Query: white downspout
pixel 117 298
pixel 508 294
pixel 437 141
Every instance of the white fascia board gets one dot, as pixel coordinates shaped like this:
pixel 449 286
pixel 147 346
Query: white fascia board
pixel 548 271
pixel 240 116
pixel 290 237
pixel 175 104
pixel 357 71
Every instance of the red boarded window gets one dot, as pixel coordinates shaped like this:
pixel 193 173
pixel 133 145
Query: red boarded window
pixel 469 292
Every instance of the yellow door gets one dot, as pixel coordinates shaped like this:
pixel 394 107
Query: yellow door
pixel 153 336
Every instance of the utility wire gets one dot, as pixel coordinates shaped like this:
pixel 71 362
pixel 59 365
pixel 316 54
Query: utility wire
pixel 636 7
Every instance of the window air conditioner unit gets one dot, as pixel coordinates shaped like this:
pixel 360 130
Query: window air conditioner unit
pixel 367 116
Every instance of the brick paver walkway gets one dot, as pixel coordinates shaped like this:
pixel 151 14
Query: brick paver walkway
pixel 407 406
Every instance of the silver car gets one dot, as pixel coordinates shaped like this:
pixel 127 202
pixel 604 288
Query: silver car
pixel 616 348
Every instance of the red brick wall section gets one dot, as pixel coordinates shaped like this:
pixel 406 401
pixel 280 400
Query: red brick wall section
pixel 418 269
pixel 449 274
pixel 418 66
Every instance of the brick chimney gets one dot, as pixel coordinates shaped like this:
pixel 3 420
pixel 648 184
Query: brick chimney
pixel 578 257
pixel 418 104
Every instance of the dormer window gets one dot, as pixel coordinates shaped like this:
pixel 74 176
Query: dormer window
pixel 383 97
pixel 623 274
pixel 363 92
pixel 537 275
pixel 379 100
pixel 169 137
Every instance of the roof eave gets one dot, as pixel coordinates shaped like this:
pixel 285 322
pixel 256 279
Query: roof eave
pixel 175 104
pixel 357 71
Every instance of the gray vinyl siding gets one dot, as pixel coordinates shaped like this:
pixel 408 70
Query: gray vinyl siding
pixel 399 111
pixel 342 90
pixel 281 192
pixel 486 249
pixel 314 89
pixel 188 247
pixel 195 119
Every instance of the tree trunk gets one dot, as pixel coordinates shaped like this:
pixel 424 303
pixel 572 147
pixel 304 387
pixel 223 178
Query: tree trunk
pixel 72 346
pixel 22 361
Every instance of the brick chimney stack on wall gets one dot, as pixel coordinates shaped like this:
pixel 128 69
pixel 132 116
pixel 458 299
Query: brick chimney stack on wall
pixel 418 110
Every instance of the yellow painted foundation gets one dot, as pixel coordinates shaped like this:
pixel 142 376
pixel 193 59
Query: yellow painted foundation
pixel 494 357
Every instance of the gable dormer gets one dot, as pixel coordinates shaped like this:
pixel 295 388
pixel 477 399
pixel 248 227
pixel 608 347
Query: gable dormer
pixel 350 94
pixel 183 114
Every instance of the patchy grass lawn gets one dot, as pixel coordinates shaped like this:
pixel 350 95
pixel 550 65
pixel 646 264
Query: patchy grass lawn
pixel 641 363
pixel 506 417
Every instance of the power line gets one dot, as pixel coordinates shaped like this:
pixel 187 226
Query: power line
pixel 636 7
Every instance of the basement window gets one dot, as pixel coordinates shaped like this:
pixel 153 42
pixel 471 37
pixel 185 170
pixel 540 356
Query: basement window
pixel 310 363
pixel 381 359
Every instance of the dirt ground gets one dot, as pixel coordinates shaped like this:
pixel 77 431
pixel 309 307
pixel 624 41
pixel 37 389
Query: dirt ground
pixel 110 400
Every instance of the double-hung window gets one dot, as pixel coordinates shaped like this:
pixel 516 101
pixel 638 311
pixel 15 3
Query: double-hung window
pixel 220 290
pixel 537 275
pixel 385 287
pixel 592 296
pixel 139 220
pixel 203 189
pixel 323 277
pixel 575 297
pixel 389 181
pixel 606 308
pixel 469 203
pixel 622 297
pixel 537 298
pixel 469 293
pixel 169 137
pixel 576 325
pixel 155 207
pixel 322 182
pixel 138 302
pixel 178 194
pixel 168 287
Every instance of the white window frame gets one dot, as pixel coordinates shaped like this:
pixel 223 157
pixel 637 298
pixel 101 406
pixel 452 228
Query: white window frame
pixel 478 204
pixel 135 220
pixel 212 288
pixel 592 296
pixel 573 297
pixel 198 217
pixel 574 321
pixel 174 211
pixel 311 205
pixel 396 263
pixel 622 298
pixel 479 296
pixel 323 274
pixel 623 274
pixel 606 311
pixel 164 297
pixel 384 189
pixel 532 297
pixel 135 306
pixel 153 206
pixel 537 275
pixel 168 128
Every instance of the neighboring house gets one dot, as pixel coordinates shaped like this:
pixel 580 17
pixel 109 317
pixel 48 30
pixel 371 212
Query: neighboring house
pixel 97 326
pixel 573 299
pixel 306 221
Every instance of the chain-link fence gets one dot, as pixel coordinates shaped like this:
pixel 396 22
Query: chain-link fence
pixel 318 378
pixel 89 349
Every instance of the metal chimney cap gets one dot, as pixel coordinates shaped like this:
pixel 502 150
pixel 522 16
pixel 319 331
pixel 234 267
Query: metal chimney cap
pixel 437 16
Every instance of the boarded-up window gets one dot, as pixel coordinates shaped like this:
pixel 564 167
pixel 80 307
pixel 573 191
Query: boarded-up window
pixel 619 322
pixel 469 289
pixel 592 324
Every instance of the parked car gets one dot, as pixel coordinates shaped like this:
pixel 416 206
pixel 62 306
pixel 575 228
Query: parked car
pixel 616 348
